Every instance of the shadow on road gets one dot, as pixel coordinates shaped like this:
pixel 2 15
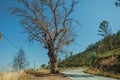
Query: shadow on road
pixel 76 75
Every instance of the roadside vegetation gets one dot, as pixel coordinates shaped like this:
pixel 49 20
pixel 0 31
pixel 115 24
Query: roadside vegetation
pixel 100 58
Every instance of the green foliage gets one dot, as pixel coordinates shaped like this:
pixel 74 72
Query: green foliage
pixel 92 58
pixel 109 53
pixel 104 29
pixel 118 62
pixel 26 78
pixel 43 66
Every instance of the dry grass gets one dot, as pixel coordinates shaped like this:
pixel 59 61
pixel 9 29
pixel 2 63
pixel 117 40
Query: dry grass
pixel 9 75
pixel 23 76
pixel 111 60
pixel 42 75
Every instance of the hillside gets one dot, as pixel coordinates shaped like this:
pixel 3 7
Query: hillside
pixel 99 56
pixel 85 59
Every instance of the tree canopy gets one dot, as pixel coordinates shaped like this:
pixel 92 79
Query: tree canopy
pixel 104 29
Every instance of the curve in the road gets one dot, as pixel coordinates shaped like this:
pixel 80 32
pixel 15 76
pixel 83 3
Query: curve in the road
pixel 80 75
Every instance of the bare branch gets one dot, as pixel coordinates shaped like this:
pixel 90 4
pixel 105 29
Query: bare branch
pixel 48 22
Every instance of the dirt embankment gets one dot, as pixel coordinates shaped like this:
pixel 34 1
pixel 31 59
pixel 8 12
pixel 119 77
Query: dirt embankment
pixel 106 66
pixel 109 64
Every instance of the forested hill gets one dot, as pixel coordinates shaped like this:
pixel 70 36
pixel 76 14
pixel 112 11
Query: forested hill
pixel 110 45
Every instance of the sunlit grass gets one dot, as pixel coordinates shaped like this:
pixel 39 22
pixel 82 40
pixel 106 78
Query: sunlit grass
pixel 26 78
pixel 109 53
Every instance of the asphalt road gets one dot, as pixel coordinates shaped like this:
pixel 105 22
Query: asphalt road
pixel 80 75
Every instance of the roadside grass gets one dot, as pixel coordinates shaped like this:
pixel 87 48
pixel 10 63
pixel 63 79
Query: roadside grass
pixel 44 70
pixel 26 78
pixel 109 53
pixel 23 76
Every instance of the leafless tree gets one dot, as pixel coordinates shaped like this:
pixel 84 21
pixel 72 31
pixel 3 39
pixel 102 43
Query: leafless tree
pixel 20 61
pixel 48 22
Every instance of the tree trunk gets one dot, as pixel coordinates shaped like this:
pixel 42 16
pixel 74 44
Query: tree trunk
pixel 53 63
pixel 109 45
pixel 53 68
pixel 53 60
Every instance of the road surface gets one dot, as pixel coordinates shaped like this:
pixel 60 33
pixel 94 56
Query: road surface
pixel 80 75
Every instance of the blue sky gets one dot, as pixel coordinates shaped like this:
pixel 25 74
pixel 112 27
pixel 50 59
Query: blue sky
pixel 90 13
